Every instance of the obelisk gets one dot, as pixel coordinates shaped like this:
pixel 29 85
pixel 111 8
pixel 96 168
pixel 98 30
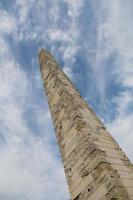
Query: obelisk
pixel 95 166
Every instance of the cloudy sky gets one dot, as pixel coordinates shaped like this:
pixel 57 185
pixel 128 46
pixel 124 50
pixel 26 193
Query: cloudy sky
pixel 93 42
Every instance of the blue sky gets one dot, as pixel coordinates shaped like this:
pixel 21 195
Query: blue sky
pixel 92 41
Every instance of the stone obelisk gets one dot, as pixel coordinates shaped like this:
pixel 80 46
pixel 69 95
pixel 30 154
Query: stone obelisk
pixel 95 166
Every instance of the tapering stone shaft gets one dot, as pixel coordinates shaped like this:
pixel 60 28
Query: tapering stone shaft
pixel 95 166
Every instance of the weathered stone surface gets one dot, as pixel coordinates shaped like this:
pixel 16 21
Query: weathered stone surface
pixel 95 166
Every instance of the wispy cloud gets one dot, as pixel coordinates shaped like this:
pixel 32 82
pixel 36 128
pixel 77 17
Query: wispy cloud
pixel 112 67
pixel 7 22
pixel 29 169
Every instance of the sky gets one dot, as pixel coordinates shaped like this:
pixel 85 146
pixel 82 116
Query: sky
pixel 92 41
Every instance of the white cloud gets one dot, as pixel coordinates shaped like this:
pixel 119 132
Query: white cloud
pixel 31 172
pixel 58 35
pixel 28 167
pixel 75 7
pixel 68 71
pixel 115 29
pixel 121 126
pixel 115 34
pixel 7 22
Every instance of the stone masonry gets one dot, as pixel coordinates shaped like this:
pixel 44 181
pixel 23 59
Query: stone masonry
pixel 95 166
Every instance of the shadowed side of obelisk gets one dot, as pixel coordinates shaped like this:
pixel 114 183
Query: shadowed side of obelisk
pixel 95 166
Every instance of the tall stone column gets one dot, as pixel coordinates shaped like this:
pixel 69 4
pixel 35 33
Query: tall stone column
pixel 95 166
